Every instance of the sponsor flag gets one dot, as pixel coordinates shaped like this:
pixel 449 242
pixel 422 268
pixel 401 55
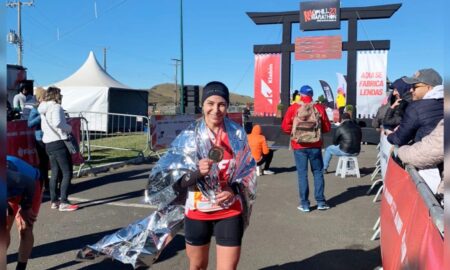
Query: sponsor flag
pixel 267 84
pixel 328 93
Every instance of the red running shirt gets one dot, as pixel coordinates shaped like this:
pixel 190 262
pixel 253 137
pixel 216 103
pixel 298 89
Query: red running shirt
pixel 199 207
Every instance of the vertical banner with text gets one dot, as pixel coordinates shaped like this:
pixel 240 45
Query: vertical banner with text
pixel 267 84
pixel 328 93
pixel 371 82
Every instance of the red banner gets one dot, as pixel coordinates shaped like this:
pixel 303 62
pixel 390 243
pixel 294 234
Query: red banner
pixel 409 239
pixel 267 84
pixel 21 143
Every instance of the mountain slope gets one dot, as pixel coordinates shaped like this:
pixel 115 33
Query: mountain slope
pixel 165 94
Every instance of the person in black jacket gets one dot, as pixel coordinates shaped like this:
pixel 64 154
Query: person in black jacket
pixel 401 98
pixel 424 113
pixel 346 141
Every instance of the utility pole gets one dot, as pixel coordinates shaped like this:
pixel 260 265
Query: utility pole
pixel 177 62
pixel 182 59
pixel 17 39
pixel 104 59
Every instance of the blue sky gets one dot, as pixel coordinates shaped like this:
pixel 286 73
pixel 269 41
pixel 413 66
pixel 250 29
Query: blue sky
pixel 142 37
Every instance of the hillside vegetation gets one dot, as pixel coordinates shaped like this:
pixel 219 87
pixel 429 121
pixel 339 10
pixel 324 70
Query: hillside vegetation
pixel 164 94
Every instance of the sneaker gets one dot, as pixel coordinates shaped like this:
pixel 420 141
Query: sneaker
pixel 258 171
pixel 55 205
pixel 67 207
pixel 303 208
pixel 268 172
pixel 323 206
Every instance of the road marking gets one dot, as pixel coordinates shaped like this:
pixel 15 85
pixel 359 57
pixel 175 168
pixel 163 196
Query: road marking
pixel 106 202
pixel 136 205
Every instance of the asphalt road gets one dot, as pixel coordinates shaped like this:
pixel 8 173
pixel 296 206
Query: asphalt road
pixel 279 236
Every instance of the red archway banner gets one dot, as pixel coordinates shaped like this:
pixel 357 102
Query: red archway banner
pixel 409 239
pixel 267 84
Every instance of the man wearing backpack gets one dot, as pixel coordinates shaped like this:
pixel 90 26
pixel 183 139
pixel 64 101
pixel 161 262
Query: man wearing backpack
pixel 305 121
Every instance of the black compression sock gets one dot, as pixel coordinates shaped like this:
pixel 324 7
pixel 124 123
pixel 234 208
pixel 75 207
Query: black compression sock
pixel 21 266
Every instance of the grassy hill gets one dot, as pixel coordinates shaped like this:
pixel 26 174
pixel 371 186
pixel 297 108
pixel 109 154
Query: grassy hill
pixel 164 94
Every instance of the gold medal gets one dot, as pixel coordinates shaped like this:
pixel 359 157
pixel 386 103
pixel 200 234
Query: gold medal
pixel 216 153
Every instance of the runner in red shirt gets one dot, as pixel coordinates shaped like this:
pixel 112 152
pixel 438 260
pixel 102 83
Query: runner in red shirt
pixel 222 216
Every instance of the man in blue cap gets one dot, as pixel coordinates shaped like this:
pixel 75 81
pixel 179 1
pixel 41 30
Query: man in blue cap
pixel 305 121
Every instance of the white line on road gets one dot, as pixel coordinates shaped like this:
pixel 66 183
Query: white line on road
pixel 136 205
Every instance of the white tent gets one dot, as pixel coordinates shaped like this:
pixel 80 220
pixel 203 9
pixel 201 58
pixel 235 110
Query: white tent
pixel 92 89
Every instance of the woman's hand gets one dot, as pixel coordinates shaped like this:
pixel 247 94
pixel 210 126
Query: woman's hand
pixel 396 103
pixel 204 166
pixel 387 132
pixel 225 195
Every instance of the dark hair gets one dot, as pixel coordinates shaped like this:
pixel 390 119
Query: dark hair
pixel 53 94
pixel 346 116
pixel 295 94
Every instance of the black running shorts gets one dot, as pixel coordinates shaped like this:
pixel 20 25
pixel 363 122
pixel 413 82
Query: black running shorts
pixel 228 231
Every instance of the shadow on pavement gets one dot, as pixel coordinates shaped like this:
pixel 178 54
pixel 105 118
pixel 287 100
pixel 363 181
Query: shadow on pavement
pixel 120 197
pixel 176 245
pixel 283 169
pixel 61 246
pixel 354 259
pixel 348 195
pixel 366 171
pixel 108 178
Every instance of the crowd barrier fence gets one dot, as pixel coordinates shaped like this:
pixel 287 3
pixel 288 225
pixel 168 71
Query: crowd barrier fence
pixel 412 221
pixel 113 131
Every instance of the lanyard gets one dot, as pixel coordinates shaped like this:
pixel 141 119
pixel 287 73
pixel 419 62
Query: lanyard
pixel 215 138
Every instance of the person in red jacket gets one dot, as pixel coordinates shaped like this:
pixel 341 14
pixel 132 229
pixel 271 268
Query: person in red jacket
pixel 260 151
pixel 304 152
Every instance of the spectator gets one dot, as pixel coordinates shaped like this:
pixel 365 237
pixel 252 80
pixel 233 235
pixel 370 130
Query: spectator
pixel 432 145
pixel 377 121
pixel 304 152
pixel 340 102
pixel 260 151
pixel 349 109
pixel 55 130
pixel 346 141
pixel 34 121
pixel 21 97
pixel 402 97
pixel 24 200
pixel 246 112
pixel 246 117
pixel 426 110
pixel 295 97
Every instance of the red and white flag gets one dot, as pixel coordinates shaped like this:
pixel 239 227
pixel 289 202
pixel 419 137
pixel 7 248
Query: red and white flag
pixel 267 84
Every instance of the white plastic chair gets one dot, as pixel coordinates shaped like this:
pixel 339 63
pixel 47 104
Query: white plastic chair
pixel 347 165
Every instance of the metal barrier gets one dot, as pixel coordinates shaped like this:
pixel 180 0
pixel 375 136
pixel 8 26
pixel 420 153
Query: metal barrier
pixel 435 210
pixel 112 136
